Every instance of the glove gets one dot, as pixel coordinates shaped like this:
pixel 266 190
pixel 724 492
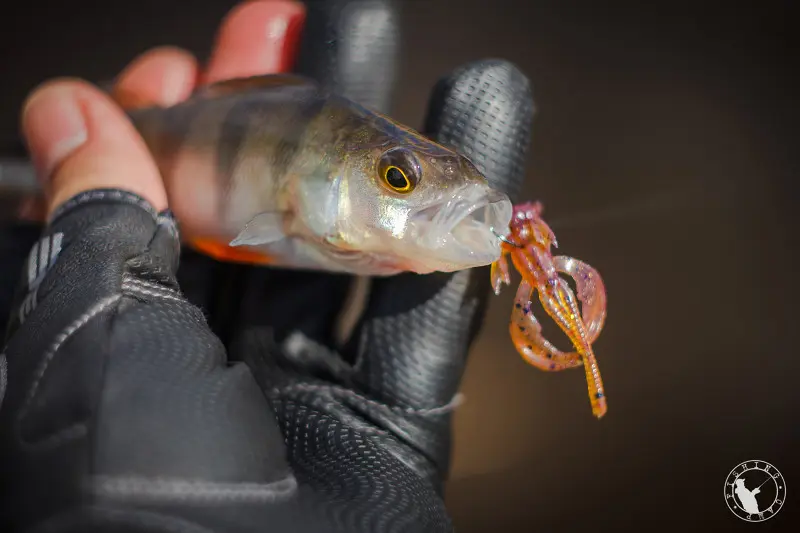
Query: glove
pixel 139 396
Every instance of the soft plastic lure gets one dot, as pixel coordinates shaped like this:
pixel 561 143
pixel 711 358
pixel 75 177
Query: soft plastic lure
pixel 528 246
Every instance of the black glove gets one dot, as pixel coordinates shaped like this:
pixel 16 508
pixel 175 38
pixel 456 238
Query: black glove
pixel 121 410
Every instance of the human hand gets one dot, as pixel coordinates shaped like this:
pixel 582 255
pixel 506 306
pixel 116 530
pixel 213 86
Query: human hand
pixel 123 394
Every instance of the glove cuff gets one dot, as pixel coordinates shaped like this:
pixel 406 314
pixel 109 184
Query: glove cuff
pixel 104 196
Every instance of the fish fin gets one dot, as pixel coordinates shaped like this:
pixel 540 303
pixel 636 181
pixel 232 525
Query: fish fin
pixel 264 228
pixel 242 85
pixel 223 252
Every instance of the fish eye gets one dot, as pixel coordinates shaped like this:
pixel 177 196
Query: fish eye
pixel 397 179
pixel 398 171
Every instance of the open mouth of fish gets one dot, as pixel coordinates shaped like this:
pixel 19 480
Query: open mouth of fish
pixel 465 230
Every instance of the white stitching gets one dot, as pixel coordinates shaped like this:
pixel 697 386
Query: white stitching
pixel 129 280
pixel 182 490
pixel 62 337
pixel 132 289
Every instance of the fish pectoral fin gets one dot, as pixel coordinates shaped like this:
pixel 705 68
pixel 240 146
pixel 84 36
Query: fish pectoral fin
pixel 264 228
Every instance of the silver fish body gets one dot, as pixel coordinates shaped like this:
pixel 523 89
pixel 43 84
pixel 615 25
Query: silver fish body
pixel 311 180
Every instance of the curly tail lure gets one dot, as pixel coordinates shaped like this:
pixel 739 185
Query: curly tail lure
pixel 528 246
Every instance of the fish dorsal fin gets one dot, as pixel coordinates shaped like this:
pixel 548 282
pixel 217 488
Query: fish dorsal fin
pixel 131 101
pixel 254 83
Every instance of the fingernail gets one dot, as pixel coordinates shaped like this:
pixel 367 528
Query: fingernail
pixel 174 83
pixel 54 127
pixel 282 35
pixel 257 38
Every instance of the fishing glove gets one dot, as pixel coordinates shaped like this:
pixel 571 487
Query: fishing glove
pixel 137 396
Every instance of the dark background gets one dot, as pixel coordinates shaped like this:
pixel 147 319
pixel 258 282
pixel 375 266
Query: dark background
pixel 665 150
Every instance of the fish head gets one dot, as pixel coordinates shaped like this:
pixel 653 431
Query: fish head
pixel 418 207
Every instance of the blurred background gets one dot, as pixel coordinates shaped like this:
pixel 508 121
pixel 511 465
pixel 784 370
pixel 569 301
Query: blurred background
pixel 664 149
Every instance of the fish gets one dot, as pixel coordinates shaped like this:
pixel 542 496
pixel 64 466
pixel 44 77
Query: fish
pixel 275 170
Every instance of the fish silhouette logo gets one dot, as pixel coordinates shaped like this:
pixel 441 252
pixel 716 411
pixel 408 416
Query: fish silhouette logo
pixel 755 491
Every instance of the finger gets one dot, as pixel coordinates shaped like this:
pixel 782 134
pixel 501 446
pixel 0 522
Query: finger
pixel 256 38
pixel 163 76
pixel 352 47
pixel 80 140
pixel 500 135
pixel 416 330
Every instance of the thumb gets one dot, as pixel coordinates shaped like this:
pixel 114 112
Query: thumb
pixel 80 140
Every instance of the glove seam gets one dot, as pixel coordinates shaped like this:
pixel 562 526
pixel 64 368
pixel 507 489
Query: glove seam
pixel 130 287
pixel 177 490
pixel 334 390
pixel 331 408
pixel 74 430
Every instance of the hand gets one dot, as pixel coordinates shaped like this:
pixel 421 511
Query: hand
pixel 120 408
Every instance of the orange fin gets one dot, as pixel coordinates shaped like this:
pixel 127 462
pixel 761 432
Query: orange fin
pixel 229 254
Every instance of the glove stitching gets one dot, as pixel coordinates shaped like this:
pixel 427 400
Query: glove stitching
pixel 103 194
pixel 133 280
pixel 162 489
pixel 130 287
pixel 363 401
pixel 61 338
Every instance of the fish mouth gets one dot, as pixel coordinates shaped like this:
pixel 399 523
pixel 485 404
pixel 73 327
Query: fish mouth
pixel 465 230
